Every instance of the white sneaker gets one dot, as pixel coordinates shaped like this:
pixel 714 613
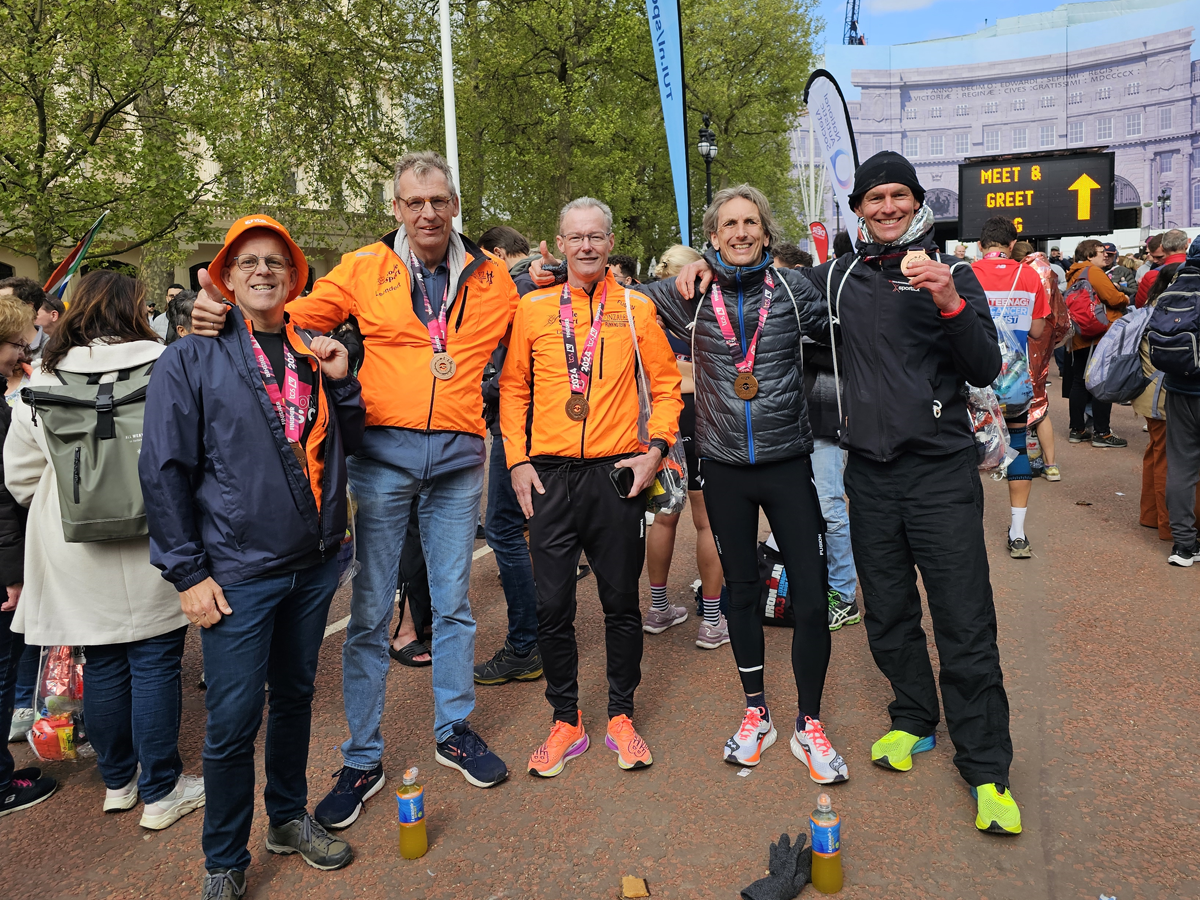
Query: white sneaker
pixel 187 797
pixel 22 721
pixel 810 746
pixel 756 734
pixel 123 798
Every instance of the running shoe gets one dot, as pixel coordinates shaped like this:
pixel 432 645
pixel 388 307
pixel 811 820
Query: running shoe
pixel 223 884
pixel 896 748
pixel 26 789
pixel 122 798
pixel 659 620
pixel 1108 440
pixel 1051 473
pixel 710 637
pixel 566 741
pixel 754 736
pixel 1078 437
pixel 811 746
pixel 354 787
pixel 842 613
pixel 507 666
pixel 1019 548
pixel 998 811
pixel 466 751
pixel 1184 556
pixel 631 750
pixel 308 837
pixel 187 796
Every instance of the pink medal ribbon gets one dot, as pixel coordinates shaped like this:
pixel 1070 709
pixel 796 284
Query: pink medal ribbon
pixel 435 324
pixel 579 370
pixel 293 402
pixel 742 362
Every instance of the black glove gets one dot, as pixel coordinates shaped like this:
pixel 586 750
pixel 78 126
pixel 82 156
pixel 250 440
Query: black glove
pixel 790 869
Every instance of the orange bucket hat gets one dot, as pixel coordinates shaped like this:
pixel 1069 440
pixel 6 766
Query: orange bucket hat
pixel 240 227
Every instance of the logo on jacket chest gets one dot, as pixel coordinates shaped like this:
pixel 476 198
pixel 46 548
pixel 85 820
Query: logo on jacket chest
pixel 904 287
pixel 612 319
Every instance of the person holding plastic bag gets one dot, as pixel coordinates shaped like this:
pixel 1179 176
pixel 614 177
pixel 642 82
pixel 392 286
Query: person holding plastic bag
pixel 104 594
pixel 1019 308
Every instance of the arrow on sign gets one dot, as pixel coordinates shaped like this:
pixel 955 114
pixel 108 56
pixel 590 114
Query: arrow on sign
pixel 1084 185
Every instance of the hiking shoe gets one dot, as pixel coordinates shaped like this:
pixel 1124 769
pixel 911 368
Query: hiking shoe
pixel 896 748
pixel 1019 548
pixel 22 721
pixel 1051 473
pixel 631 750
pixel 507 666
pixel 186 797
pixel 1108 440
pixel 811 746
pixel 998 811
pixel 566 741
pixel 1184 556
pixel 223 884
pixel 755 735
pixel 1078 437
pixel 24 792
pixel 354 787
pixel 122 798
pixel 842 613
pixel 316 846
pixel 659 620
pixel 466 751
pixel 710 637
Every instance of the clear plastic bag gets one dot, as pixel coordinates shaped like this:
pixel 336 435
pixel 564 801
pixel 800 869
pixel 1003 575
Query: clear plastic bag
pixel 58 730
pixel 991 434
pixel 1013 386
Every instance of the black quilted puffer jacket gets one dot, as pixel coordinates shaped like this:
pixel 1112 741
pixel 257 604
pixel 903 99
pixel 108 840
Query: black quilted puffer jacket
pixel 773 426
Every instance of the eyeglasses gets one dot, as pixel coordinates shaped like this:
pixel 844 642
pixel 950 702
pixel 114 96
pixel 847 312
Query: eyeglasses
pixel 576 240
pixel 416 204
pixel 248 262
pixel 23 346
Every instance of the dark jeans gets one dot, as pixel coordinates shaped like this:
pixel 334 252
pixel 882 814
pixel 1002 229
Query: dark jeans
pixel 273 636
pixel 926 513
pixel 581 511
pixel 1183 462
pixel 10 652
pixel 27 674
pixel 132 702
pixel 505 529
pixel 1080 398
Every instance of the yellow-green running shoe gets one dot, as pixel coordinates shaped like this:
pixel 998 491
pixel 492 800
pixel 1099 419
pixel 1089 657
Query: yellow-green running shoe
pixel 895 749
pixel 998 811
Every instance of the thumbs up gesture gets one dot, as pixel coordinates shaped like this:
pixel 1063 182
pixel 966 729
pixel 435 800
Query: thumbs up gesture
pixel 208 315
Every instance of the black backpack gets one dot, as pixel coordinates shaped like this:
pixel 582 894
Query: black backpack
pixel 1174 329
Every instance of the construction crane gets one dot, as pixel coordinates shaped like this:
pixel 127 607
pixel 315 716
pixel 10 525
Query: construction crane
pixel 850 33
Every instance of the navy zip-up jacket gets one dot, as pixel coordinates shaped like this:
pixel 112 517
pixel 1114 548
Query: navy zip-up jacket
pixel 225 495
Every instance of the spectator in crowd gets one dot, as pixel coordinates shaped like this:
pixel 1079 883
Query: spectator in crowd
pixel 1117 273
pixel 179 315
pixel 842 244
pixel 786 255
pixel 1090 259
pixel 1056 254
pixel 1172 249
pixel 505 243
pixel 31 294
pixel 960 250
pixel 47 317
pixel 105 595
pixel 624 269
pixel 1155 255
pixel 1183 429
pixel 160 322
pixel 282 426
pixel 1041 350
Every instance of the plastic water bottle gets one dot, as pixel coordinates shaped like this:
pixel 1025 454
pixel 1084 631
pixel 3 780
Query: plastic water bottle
pixel 826 827
pixel 411 802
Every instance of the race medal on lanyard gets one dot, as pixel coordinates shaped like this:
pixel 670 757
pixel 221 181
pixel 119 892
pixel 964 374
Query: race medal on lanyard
pixel 745 385
pixel 442 365
pixel 292 403
pixel 911 257
pixel 579 370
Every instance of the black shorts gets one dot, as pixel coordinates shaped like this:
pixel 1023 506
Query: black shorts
pixel 687 431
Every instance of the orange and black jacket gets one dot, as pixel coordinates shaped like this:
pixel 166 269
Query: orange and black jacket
pixel 374 285
pixel 225 494
pixel 1114 299
pixel 535 372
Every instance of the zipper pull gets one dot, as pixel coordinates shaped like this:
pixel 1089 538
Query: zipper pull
pixel 321 545
pixel 937 409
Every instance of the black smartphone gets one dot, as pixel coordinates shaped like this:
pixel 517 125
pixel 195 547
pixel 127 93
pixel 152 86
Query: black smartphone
pixel 622 480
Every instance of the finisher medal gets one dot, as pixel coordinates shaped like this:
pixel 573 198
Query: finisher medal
pixel 579 369
pixel 577 408
pixel 911 257
pixel 443 366
pixel 745 386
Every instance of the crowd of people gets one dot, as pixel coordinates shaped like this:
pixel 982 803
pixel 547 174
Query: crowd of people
pixel 276 416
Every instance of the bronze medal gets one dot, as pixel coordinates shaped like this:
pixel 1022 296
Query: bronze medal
pixel 911 257
pixel 443 366
pixel 577 408
pixel 745 386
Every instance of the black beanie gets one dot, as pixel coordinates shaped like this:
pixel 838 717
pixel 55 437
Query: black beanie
pixel 886 167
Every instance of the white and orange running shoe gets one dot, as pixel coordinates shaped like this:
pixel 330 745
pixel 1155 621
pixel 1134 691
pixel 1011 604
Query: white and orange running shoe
pixel 812 747
pixel 754 736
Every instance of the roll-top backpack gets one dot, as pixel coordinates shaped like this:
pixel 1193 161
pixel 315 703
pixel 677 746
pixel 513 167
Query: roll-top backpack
pixel 93 431
pixel 1085 308
pixel 1114 371
pixel 1174 329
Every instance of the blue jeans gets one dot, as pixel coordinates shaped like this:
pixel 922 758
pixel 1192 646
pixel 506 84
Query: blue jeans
pixel 132 701
pixel 273 637
pixel 448 512
pixel 10 652
pixel 505 529
pixel 828 462
pixel 27 675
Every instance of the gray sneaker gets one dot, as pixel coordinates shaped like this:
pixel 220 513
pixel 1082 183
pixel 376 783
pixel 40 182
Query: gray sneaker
pixel 659 620
pixel 711 637
pixel 22 721
pixel 316 846
pixel 188 796
pixel 224 884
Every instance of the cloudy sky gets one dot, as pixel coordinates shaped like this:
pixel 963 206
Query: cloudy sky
pixel 904 21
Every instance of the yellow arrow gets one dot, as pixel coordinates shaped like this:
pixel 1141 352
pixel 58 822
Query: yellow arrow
pixel 1084 185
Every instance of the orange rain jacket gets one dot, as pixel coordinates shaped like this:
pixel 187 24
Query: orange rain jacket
pixel 375 286
pixel 535 371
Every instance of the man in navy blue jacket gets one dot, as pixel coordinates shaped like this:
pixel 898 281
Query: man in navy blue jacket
pixel 243 468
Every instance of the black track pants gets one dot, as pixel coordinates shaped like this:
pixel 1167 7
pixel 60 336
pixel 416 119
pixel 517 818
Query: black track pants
pixel 786 493
pixel 581 511
pixel 926 512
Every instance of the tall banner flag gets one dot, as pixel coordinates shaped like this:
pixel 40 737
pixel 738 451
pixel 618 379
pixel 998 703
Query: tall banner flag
pixel 666 35
pixel 69 266
pixel 820 240
pixel 827 109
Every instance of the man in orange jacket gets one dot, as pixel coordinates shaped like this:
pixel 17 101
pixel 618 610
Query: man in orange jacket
pixel 579 470
pixel 431 307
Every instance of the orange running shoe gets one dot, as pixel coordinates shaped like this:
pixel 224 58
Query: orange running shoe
pixel 632 752
pixel 565 741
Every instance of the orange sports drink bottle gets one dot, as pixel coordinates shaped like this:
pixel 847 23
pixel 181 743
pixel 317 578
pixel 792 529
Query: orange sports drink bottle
pixel 411 802
pixel 826 826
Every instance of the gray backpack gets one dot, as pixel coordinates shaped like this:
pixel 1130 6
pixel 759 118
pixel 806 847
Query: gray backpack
pixel 94 435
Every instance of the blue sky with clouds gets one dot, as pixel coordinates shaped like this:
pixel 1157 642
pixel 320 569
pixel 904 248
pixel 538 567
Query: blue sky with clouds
pixel 904 21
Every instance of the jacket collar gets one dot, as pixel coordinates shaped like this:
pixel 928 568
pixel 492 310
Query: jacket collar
pixel 737 276
pixel 462 257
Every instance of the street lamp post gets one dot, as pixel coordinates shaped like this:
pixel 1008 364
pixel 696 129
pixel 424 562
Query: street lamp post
pixel 708 149
pixel 1164 200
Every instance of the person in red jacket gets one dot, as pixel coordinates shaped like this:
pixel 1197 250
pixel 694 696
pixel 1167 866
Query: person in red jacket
pixel 1174 243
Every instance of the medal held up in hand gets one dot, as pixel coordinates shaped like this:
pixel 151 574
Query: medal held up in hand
pixel 911 257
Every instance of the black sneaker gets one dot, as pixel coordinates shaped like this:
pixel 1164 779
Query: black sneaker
pixel 354 787
pixel 1108 440
pixel 1078 437
pixel 507 666
pixel 1019 548
pixel 316 846
pixel 1180 556
pixel 224 884
pixel 24 791
pixel 466 751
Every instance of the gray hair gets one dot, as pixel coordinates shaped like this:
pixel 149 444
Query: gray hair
pixel 1175 241
pixel 421 164
pixel 746 192
pixel 587 203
